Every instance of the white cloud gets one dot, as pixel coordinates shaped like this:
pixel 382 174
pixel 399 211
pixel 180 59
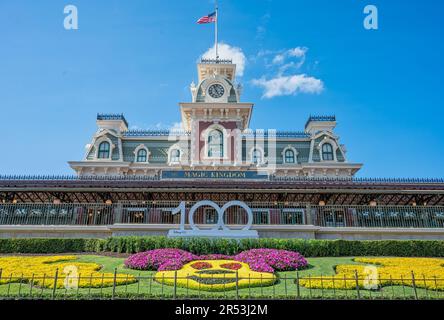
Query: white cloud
pixel 176 126
pixel 226 51
pixel 278 59
pixel 289 85
pixel 297 52
pixel 261 29
pixel 284 76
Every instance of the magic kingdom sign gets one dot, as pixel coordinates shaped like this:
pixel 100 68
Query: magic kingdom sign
pixel 213 174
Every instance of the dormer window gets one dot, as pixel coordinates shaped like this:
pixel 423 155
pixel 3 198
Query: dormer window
pixel 215 144
pixel 289 156
pixel 256 157
pixel 104 150
pixel 175 156
pixel 327 152
pixel 142 155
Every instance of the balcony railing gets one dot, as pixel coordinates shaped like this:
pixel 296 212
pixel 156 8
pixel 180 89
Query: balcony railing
pixel 264 213
pixel 363 180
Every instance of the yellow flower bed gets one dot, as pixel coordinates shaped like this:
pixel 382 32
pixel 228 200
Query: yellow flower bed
pixel 216 277
pixel 428 273
pixel 40 270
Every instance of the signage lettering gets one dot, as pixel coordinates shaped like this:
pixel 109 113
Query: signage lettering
pixel 241 175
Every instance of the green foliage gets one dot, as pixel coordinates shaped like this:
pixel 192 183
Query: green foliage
pixel 49 245
pixel 309 248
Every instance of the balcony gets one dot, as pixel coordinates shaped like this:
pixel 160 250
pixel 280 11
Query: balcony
pixel 264 213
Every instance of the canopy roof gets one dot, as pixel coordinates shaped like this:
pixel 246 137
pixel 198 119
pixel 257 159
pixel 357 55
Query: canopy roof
pixel 305 190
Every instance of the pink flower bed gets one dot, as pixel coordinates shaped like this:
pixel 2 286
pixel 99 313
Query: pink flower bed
pixel 261 260
pixel 270 260
pixel 160 259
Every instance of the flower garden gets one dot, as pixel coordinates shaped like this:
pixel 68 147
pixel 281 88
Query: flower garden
pixel 429 274
pixel 217 272
pixel 38 271
pixel 249 273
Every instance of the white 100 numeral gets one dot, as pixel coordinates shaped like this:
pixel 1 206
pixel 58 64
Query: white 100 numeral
pixel 220 213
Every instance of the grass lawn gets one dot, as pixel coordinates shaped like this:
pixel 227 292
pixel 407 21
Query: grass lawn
pixel 146 287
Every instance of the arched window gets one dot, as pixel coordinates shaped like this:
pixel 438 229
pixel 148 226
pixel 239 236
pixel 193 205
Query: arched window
pixel 104 150
pixel 289 156
pixel 327 152
pixel 142 155
pixel 175 155
pixel 256 156
pixel 216 144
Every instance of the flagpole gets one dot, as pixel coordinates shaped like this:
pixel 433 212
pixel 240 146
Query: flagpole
pixel 215 30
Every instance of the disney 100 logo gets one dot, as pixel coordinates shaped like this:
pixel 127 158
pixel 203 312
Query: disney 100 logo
pixel 219 229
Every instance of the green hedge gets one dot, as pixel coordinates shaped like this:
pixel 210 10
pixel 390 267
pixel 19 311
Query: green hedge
pixel 35 245
pixel 309 248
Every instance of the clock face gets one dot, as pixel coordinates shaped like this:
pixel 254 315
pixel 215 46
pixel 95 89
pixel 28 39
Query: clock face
pixel 216 90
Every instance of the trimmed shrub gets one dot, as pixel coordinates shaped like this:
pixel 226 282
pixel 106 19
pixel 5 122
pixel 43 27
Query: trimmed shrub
pixel 202 246
pixel 308 248
pixel 49 245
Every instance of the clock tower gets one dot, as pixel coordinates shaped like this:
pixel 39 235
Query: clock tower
pixel 216 117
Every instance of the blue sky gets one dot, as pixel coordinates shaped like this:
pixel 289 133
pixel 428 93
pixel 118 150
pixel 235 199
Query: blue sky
pixel 138 57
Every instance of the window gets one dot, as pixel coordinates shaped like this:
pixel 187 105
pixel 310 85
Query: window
pixel 289 156
pixel 141 155
pixel 327 152
pixel 216 144
pixel 256 156
pixel 210 216
pixel 261 216
pixel 293 216
pixel 334 218
pixel 175 155
pixel 104 150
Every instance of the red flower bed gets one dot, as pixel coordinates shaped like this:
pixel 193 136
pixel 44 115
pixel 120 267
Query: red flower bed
pixel 201 265
pixel 231 266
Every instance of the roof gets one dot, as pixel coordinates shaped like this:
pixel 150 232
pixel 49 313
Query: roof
pixel 277 134
pixel 216 61
pixel 109 116
pixel 248 133
pixel 322 118
pixel 155 133
pixel 359 191
pixel 288 183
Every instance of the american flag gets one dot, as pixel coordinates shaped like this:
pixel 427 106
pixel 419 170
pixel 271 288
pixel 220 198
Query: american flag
pixel 208 19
